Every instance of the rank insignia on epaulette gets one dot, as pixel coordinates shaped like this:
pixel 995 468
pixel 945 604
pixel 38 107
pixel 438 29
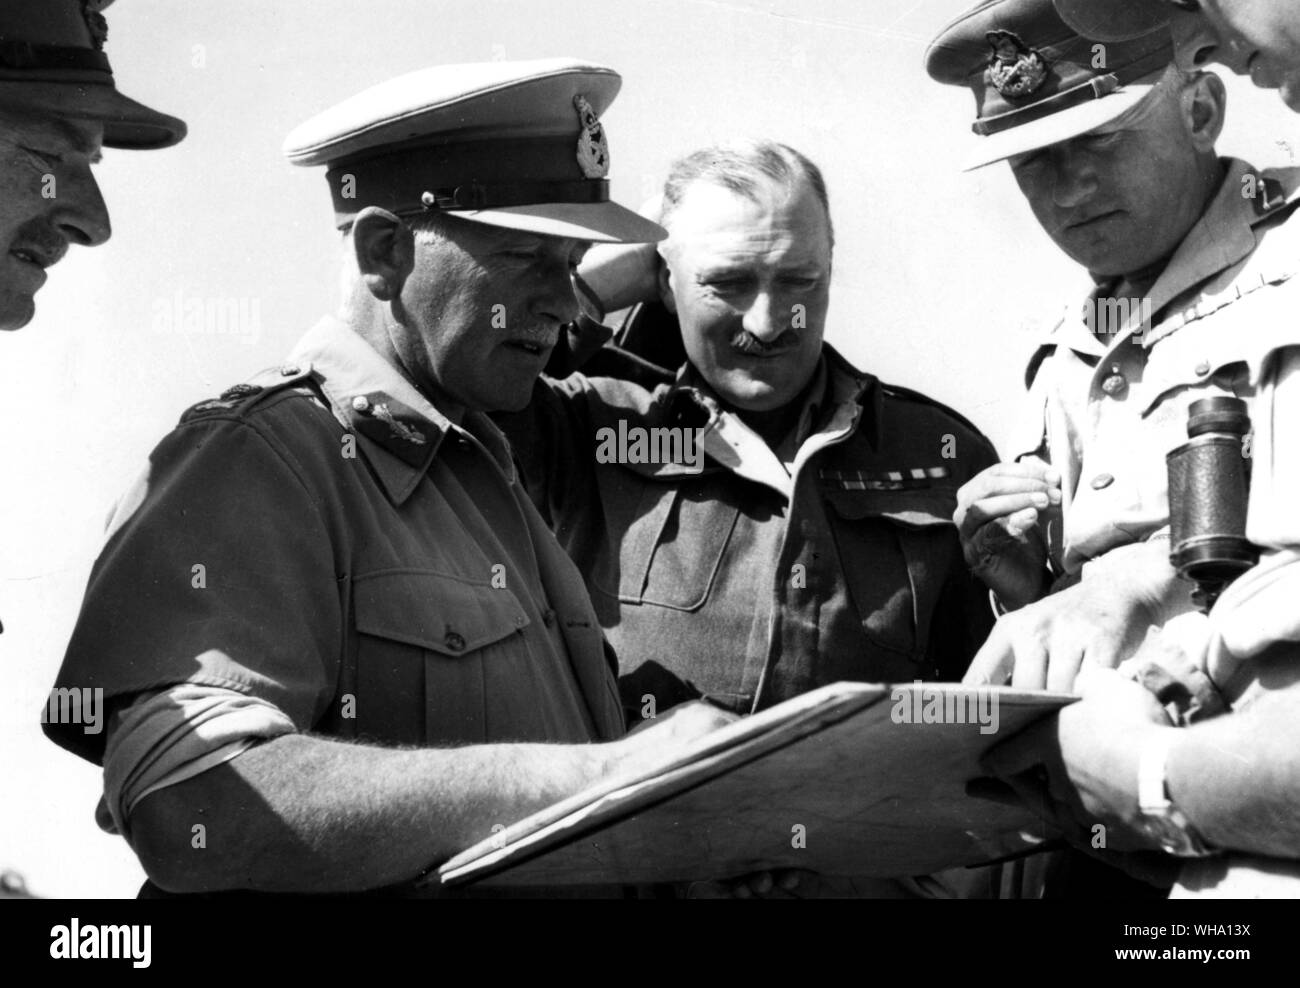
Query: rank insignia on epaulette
pixel 884 480
pixel 1015 69
pixel 204 407
pixel 238 391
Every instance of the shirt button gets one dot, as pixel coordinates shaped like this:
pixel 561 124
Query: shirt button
pixel 1203 368
pixel 1102 481
pixel 289 370
pixel 454 641
pixel 1114 385
pixel 361 403
pixel 548 619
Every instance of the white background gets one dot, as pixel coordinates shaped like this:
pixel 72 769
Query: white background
pixel 940 276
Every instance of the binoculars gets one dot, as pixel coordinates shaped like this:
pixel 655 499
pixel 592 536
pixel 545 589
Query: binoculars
pixel 1209 485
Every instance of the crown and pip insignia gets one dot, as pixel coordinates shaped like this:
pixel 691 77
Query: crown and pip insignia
pixel 1015 69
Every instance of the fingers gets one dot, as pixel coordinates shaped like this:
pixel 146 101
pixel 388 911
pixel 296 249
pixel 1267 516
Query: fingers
pixel 993 663
pixel 1030 656
pixel 1009 478
pixel 1061 663
pixel 991 509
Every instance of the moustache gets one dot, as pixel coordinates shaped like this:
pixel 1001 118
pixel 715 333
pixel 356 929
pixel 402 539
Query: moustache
pixel 747 343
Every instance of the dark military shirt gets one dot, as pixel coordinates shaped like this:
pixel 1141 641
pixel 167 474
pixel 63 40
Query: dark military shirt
pixel 324 539
pixel 750 581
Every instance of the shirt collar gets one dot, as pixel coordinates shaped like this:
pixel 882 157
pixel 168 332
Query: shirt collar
pixel 842 400
pixel 399 430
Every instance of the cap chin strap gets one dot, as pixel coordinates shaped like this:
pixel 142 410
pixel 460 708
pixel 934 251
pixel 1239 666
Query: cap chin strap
pixel 514 194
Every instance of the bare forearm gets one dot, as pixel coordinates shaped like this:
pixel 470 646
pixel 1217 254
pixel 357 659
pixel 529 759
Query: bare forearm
pixel 312 815
pixel 1238 777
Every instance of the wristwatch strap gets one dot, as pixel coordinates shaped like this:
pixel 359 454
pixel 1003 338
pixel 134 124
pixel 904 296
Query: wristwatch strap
pixel 1162 820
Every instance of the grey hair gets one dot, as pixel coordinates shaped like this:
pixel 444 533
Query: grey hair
pixel 743 167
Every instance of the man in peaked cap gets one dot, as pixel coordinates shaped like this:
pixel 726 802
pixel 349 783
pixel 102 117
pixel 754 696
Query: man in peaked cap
pixel 1233 778
pixel 329 623
pixel 58 107
pixel 1202 251
pixel 1258 38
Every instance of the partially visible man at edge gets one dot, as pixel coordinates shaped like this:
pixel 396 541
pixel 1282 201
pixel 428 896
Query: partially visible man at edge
pixel 809 539
pixel 58 107
pixel 1230 781
pixel 328 623
pixel 1219 320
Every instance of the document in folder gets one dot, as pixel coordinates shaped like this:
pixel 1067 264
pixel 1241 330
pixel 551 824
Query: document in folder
pixel 851 779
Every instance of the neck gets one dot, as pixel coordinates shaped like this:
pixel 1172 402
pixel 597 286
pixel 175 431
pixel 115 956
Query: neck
pixel 776 424
pixel 374 322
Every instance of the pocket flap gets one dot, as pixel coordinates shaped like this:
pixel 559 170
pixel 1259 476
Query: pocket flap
pixel 447 614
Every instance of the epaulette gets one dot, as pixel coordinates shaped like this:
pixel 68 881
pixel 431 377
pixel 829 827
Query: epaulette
pixel 244 396
pixel 897 391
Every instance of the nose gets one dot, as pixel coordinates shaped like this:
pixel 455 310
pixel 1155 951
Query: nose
pixel 763 320
pixel 82 216
pixel 1197 43
pixel 1073 180
pixel 557 300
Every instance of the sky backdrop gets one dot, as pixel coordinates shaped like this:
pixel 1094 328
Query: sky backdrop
pixel 940 276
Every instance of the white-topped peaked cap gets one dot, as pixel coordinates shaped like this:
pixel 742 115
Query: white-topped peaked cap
pixel 512 144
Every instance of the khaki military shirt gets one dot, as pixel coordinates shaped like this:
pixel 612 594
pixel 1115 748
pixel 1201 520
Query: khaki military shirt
pixel 324 539
pixel 1111 409
pixel 750 580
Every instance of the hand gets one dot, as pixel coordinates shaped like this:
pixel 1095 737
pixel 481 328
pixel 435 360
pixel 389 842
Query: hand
pixel 1100 621
pixel 653 742
pixel 999 521
pixel 1078 770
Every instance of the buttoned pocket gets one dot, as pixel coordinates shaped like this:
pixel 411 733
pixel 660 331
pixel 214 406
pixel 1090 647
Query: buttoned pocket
pixel 896 549
pixel 431 634
pixel 670 552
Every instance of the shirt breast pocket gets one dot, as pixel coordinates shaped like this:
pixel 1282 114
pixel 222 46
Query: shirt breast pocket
pixel 896 550
pixel 430 637
pixel 669 548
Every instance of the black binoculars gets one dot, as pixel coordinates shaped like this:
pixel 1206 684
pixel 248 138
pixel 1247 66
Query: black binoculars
pixel 1209 486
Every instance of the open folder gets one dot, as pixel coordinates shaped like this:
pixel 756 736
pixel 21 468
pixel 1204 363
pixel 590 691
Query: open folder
pixel 851 779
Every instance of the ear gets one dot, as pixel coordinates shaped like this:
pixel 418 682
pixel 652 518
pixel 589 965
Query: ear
pixel 666 283
pixel 385 251
pixel 1204 108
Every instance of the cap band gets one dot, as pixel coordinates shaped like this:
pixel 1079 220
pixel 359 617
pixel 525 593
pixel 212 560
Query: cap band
pixel 23 55
pixel 1095 88
pixel 467 176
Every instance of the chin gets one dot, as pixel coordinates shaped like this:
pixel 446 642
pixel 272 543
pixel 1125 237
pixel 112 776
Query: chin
pixel 11 319
pixel 507 402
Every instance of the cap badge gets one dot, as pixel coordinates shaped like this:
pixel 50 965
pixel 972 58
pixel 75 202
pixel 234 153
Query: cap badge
pixel 95 23
pixel 1015 70
pixel 593 149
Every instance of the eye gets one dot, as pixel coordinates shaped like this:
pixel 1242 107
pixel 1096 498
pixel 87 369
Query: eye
pixel 801 282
